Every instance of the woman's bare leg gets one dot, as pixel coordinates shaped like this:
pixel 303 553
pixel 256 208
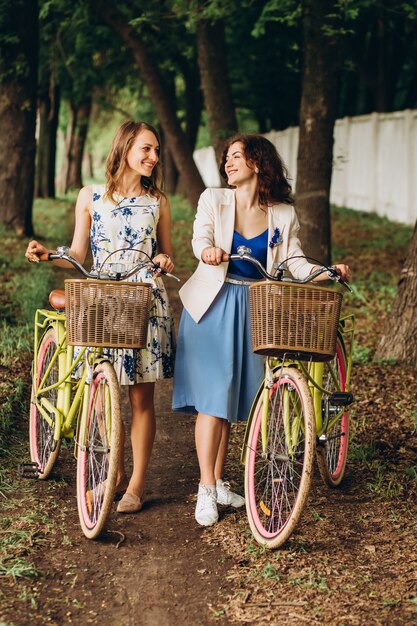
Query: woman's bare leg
pixel 222 451
pixel 142 433
pixel 208 437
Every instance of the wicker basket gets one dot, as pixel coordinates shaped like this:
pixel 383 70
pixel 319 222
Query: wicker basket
pixel 298 320
pixel 107 314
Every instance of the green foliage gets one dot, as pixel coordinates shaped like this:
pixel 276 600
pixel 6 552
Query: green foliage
pixel 13 401
pixel 30 291
pixel 13 62
pixel 281 11
pixel 24 288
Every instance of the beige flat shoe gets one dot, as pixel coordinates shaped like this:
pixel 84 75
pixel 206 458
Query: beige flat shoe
pixel 98 492
pixel 130 503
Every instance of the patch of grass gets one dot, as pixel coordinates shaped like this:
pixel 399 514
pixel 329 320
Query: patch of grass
pixel 31 290
pixel 13 397
pixel 316 516
pixel 25 288
pixel 18 568
pixel 312 580
pixel 386 483
pixel 362 453
pixel 374 231
pixel 13 343
pixel 362 354
pixel 271 572
pixel 256 550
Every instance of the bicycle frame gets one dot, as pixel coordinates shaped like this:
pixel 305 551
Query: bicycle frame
pixel 313 371
pixel 66 410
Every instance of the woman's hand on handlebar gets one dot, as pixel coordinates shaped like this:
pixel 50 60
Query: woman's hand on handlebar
pixel 214 256
pixel 164 263
pixel 36 252
pixel 343 271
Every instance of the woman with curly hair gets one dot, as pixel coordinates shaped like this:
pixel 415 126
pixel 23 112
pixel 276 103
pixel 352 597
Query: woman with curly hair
pixel 130 215
pixel 216 373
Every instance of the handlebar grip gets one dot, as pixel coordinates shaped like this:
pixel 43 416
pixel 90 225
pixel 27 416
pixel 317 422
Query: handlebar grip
pixel 225 257
pixel 334 275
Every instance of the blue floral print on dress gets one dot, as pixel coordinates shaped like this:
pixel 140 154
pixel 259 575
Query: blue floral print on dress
pixel 133 222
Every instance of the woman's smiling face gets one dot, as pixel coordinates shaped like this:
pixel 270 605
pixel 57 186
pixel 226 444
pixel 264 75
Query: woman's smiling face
pixel 237 169
pixel 144 153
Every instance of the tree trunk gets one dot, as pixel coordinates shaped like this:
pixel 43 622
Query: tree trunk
pixel 69 135
pixel 212 61
pixel 48 108
pixel 399 340
pixel 193 102
pixel 193 109
pixel 317 119
pixel 162 104
pixel 18 85
pixel 81 116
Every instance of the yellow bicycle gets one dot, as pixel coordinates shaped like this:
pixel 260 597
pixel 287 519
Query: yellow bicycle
pixel 301 408
pixel 75 390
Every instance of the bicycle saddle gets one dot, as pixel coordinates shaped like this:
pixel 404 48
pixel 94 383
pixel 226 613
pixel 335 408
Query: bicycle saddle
pixel 57 299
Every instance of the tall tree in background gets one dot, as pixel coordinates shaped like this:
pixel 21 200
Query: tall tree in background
pixel 18 84
pixel 399 339
pixel 79 117
pixel 212 61
pixel 317 119
pixel 164 107
pixel 48 111
pixel 48 99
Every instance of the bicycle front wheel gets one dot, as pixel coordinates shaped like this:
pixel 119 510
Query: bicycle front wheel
pixel 278 478
pixel 99 443
pixel 44 449
pixel 332 452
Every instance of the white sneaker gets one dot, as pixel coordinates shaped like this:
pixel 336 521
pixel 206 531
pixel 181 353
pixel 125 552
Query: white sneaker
pixel 226 496
pixel 206 512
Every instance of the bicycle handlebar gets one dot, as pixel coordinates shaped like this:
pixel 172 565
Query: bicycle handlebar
pixel 116 274
pixel 244 254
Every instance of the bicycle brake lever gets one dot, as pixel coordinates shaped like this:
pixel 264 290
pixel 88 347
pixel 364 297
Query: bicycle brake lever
pixel 334 275
pixel 157 268
pixel 172 276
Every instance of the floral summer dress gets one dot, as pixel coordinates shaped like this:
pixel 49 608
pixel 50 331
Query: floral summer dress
pixel 132 223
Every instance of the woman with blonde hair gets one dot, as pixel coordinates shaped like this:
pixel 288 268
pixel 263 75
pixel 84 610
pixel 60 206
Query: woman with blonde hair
pixel 130 214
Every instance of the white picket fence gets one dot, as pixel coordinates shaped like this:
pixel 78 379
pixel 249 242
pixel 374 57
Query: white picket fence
pixel 374 163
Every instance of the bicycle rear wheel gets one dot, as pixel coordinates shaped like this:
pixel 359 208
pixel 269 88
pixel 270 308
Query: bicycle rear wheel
pixel 44 449
pixel 278 480
pixel 332 452
pixel 99 444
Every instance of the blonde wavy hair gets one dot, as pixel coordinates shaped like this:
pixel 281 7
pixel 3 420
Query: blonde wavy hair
pixel 116 162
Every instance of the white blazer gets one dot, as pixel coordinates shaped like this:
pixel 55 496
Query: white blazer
pixel 214 226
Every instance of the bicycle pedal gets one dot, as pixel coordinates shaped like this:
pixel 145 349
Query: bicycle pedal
pixel 341 398
pixel 28 470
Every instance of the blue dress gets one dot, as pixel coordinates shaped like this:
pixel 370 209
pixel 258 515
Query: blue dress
pixel 216 371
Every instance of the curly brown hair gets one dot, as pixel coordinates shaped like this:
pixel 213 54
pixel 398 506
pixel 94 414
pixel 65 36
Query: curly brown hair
pixel 259 152
pixel 116 162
